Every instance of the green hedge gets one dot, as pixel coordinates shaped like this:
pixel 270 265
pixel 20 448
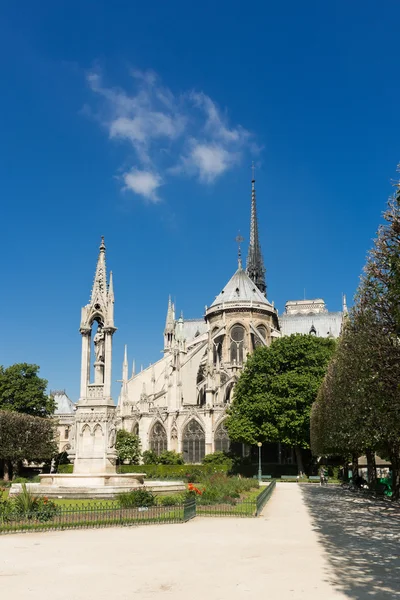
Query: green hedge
pixel 187 472
pixel 267 469
pixel 65 468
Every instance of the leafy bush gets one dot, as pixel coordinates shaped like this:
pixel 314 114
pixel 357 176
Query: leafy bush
pixel 170 457
pixel 136 498
pixel 27 506
pixel 6 511
pixel 218 458
pixel 172 500
pixel 219 488
pixel 65 468
pixel 128 447
pixel 149 457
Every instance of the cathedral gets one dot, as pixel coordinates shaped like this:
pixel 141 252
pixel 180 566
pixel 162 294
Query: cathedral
pixel 179 402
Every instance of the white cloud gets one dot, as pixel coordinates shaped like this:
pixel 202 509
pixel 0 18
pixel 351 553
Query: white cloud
pixel 171 135
pixel 209 161
pixel 143 183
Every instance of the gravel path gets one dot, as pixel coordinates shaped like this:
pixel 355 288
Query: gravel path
pixel 284 554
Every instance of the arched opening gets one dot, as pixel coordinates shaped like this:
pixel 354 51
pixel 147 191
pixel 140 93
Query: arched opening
pixel 222 442
pixel 194 442
pixel 217 350
pixel 237 344
pixel 135 428
pixel 262 331
pixel 87 441
pixel 158 439
pixel 98 352
pixel 97 440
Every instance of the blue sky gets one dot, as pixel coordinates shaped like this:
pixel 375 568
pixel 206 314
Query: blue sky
pixel 139 122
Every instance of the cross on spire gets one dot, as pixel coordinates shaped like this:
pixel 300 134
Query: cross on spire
pixel 239 239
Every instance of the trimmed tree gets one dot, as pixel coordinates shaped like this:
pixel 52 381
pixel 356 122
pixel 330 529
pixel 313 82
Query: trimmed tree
pixel 274 394
pixel 25 437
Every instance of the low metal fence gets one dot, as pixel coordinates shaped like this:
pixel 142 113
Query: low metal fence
pixel 91 516
pixel 110 514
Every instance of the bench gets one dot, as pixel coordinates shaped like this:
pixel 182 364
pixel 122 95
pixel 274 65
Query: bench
pixel 290 477
pixel 314 478
pixel 263 477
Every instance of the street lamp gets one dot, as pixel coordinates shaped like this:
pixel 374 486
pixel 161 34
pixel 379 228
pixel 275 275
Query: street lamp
pixel 259 444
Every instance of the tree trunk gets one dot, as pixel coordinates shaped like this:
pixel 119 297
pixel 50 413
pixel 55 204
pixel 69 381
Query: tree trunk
pixel 395 460
pixel 299 459
pixel 371 466
pixel 354 466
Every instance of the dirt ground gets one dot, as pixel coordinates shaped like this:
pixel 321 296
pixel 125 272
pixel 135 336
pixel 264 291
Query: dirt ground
pixel 277 556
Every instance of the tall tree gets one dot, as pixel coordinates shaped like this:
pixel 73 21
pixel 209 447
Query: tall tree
pixel 274 394
pixel 25 437
pixel 23 391
pixel 361 393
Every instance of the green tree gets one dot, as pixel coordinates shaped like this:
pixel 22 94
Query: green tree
pixel 128 447
pixel 274 394
pixel 358 408
pixel 25 437
pixel 23 391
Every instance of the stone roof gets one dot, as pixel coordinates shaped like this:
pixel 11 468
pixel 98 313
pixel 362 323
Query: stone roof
pixel 64 406
pixel 193 328
pixel 240 288
pixel 325 324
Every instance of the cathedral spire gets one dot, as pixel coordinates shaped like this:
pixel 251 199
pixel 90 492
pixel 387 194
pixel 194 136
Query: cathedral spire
pixel 169 330
pixel 255 264
pixel 125 365
pixel 100 278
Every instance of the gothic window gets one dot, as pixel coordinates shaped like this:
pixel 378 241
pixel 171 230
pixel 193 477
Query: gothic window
pixel 135 428
pixel 66 433
pixel 217 350
pixel 256 340
pixel 194 442
pixel 262 331
pixel 237 344
pixel 312 331
pixel 158 439
pixel 221 439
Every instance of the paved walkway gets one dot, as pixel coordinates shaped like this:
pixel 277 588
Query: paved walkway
pixel 277 556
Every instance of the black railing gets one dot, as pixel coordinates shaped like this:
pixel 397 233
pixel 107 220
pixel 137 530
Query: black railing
pixel 109 514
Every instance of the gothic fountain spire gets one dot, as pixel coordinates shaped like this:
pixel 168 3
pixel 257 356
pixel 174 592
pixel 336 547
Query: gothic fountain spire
pixel 255 264
pixel 100 278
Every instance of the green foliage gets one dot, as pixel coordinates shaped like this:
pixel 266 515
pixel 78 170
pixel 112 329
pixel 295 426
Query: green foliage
pixel 219 488
pixel 190 473
pixel 26 437
pixel 168 457
pixel 274 394
pixel 23 391
pixel 172 500
pixel 218 458
pixel 150 457
pixel 67 468
pixel 136 499
pixel 128 447
pixel 25 505
pixel 358 406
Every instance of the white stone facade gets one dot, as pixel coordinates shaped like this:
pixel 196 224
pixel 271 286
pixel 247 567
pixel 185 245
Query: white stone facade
pixel 179 402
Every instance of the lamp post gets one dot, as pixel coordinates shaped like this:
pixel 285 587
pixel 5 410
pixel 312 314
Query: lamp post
pixel 259 444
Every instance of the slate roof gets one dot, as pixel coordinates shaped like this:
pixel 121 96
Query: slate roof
pixel 240 288
pixel 64 406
